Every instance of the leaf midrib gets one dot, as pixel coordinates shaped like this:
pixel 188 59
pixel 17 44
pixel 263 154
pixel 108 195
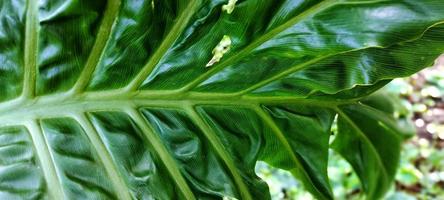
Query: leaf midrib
pixel 14 112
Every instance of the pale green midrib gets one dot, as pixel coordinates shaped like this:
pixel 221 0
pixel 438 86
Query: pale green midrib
pixel 121 189
pixel 56 105
pixel 30 50
pixel 311 11
pixel 276 130
pixel 367 140
pixel 220 150
pixel 46 160
pixel 103 35
pixel 162 152
pixel 176 30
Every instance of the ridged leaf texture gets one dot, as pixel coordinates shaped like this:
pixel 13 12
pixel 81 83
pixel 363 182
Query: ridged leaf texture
pixel 118 99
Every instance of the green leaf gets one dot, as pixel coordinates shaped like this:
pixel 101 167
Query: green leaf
pixel 173 99
pixel 371 142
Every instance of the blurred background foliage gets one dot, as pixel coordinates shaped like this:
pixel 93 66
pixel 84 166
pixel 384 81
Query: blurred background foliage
pixel 421 170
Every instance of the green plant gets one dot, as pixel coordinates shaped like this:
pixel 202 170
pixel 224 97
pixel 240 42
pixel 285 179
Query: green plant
pixel 175 99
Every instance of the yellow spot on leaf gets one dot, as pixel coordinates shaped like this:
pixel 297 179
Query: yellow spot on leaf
pixel 230 6
pixel 219 51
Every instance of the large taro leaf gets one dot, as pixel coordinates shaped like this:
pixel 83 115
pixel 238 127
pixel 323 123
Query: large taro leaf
pixel 118 99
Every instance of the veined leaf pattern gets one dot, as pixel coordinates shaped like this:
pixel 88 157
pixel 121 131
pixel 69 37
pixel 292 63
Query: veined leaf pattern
pixel 112 99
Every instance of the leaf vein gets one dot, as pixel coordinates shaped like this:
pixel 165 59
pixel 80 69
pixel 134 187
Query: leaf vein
pixel 30 50
pixel 104 34
pixel 162 152
pixel 172 36
pixel 46 160
pixel 278 133
pixel 122 190
pixel 366 140
pixel 220 150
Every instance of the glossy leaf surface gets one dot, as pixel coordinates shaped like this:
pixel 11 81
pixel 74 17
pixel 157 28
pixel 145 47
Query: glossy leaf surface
pixel 118 99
